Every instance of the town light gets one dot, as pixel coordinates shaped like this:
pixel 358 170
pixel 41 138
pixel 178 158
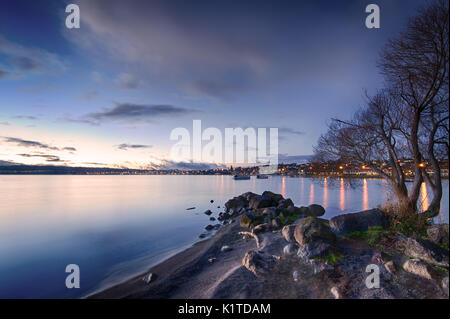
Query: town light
pixel 421 165
pixel 341 167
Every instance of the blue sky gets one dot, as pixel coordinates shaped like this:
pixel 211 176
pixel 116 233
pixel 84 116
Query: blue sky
pixel 135 70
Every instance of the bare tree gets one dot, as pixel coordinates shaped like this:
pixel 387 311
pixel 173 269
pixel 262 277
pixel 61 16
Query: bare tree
pixel 410 118
pixel 416 66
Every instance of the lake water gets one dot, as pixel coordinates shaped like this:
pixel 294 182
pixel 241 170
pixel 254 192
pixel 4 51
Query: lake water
pixel 114 227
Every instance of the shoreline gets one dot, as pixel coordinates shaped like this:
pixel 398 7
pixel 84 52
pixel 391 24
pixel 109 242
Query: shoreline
pixel 237 262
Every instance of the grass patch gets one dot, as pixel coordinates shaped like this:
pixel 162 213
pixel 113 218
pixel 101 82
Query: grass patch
pixel 330 259
pixel 371 236
pixel 287 220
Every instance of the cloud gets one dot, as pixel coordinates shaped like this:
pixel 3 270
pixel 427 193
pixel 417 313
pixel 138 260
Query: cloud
pixel 127 81
pixel 26 64
pixel 25 117
pixel 30 59
pixel 4 73
pixel 90 95
pixel 136 113
pixel 285 131
pixel 28 143
pixel 4 123
pixel 48 158
pixel 125 146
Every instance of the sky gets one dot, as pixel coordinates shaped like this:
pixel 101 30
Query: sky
pixel 111 92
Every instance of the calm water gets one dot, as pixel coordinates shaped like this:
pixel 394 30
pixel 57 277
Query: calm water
pixel 116 226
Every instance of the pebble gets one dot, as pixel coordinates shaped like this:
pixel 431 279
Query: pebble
pixel 148 278
pixel 225 248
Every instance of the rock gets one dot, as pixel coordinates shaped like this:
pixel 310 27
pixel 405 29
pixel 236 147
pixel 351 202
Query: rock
pixel 296 275
pixel 427 251
pixel 218 206
pixel 236 202
pixel 420 268
pixel 438 233
pixel 288 233
pixel 273 196
pixel 211 260
pixel 208 212
pixel 225 249
pixel 223 216
pixel 211 201
pixel 285 203
pixel 347 223
pixel 249 195
pixel 304 211
pixel 313 249
pixel 276 223
pixel 292 210
pixel 216 226
pixel 212 219
pixel 190 208
pixel 390 267
pixel 260 228
pixel 289 249
pixel 257 202
pixel 316 210
pixel 444 285
pixel 272 212
pixel 250 219
pixel 319 266
pixel 202 236
pixel 335 292
pixel 209 227
pixel 258 263
pixel 313 229
pixel 148 278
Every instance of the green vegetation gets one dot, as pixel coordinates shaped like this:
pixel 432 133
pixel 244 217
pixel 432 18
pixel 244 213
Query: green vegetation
pixel 289 219
pixel 372 235
pixel 330 259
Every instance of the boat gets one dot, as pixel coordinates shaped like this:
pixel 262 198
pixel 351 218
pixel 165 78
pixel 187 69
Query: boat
pixel 241 177
pixel 262 176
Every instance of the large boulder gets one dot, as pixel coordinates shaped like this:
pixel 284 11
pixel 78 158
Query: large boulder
pixel 258 263
pixel 348 223
pixel 316 210
pixel 273 196
pixel 438 233
pixel 236 203
pixel 258 202
pixel 249 219
pixel 292 210
pixel 271 212
pixel 288 231
pixel 419 268
pixel 247 196
pixel 313 229
pixel 427 251
pixel 285 203
pixel 314 249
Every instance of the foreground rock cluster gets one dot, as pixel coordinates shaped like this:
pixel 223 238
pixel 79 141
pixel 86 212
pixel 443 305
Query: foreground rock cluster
pixel 266 247
pixel 330 246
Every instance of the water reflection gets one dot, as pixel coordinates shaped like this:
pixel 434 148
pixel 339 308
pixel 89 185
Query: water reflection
pixel 365 195
pixel 424 197
pixel 325 193
pixel 283 186
pixel 311 194
pixel 342 195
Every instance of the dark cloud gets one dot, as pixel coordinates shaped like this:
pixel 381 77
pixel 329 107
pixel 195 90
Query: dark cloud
pixel 47 157
pixel 127 81
pixel 291 131
pixel 26 63
pixel 125 146
pixel 25 117
pixel 4 73
pixel 137 112
pixel 28 143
